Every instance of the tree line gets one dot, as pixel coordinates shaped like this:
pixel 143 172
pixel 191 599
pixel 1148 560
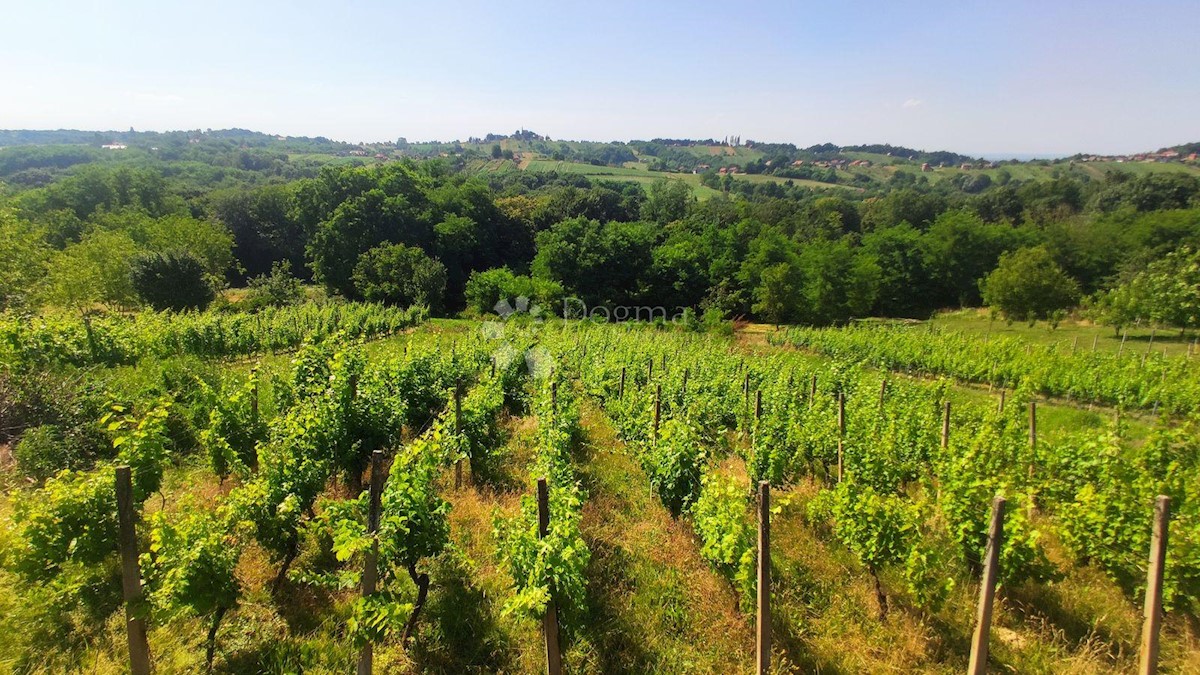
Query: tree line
pixel 433 232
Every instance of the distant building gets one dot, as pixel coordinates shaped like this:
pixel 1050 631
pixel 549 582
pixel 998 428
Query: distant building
pixel 925 167
pixel 114 146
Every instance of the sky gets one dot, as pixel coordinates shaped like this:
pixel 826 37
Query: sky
pixel 1043 77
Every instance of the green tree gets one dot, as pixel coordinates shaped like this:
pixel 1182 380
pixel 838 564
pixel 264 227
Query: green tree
pixel 1166 292
pixel 400 275
pixel 25 256
pixel 94 271
pixel 1028 285
pixel 667 201
pixel 776 295
pixel 174 280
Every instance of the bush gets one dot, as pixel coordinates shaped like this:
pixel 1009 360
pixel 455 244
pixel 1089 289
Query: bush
pixel 174 280
pixel 1028 285
pixel 396 274
pixel 487 289
pixel 277 289
pixel 45 450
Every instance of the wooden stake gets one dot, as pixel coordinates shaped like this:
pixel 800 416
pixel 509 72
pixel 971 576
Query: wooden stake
pixel 1121 349
pixel 458 430
pixel 1152 611
pixel 758 405
pixel 550 620
pixel 812 395
pixel 1001 408
pixel 882 393
pixel 621 391
pixel 1032 436
pixel 370 565
pixel 946 426
pixel 1095 339
pixel 763 617
pixel 987 590
pixel 650 370
pixel 841 448
pixel 1075 344
pixel 841 414
pixel 254 394
pixel 657 411
pixel 131 574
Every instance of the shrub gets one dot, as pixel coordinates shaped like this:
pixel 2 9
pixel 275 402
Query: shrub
pixel 277 289
pixel 174 280
pixel 396 274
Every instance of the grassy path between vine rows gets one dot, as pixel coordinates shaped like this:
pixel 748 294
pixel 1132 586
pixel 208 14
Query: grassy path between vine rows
pixel 656 607
pixel 464 629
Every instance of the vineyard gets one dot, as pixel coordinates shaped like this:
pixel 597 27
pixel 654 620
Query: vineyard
pixel 587 498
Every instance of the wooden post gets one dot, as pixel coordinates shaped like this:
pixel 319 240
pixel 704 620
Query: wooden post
pixel 554 396
pixel 458 430
pixel 882 393
pixel 1075 344
pixel 370 569
pixel 550 620
pixel 1150 344
pixel 1121 349
pixel 841 414
pixel 763 616
pixel 650 370
pixel 621 391
pixel 757 405
pixel 254 394
pixel 946 426
pixel 746 390
pixel 1001 407
pixel 812 392
pixel 840 461
pixel 657 412
pixel 1032 436
pixel 987 590
pixel 1152 611
pixel 841 421
pixel 1095 339
pixel 131 574
pixel 493 366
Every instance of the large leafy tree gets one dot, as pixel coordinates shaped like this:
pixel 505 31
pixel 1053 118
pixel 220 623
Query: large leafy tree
pixel 25 257
pixel 400 275
pixel 597 262
pixel 172 280
pixel 1166 292
pixel 1028 285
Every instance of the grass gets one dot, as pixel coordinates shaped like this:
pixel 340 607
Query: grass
pixel 1077 334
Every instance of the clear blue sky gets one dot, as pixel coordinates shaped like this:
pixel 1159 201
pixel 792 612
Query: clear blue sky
pixel 970 76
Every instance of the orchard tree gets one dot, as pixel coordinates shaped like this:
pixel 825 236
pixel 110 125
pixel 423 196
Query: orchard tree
pixel 1028 285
